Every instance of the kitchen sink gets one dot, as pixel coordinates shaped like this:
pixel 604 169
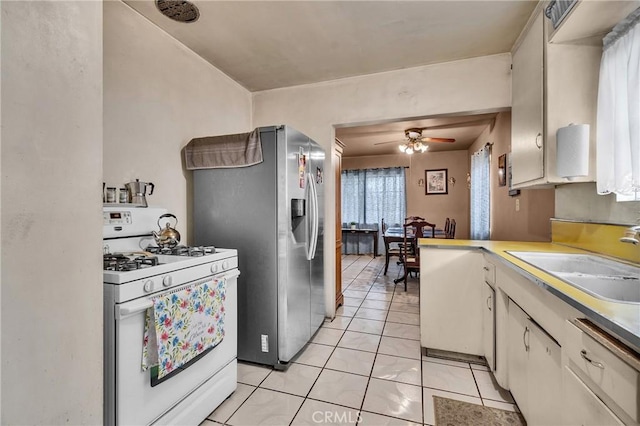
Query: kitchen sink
pixel 602 278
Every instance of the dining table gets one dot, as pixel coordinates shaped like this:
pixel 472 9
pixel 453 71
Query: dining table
pixel 396 235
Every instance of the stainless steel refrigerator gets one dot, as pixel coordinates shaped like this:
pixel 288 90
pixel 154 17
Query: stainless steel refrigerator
pixel 272 213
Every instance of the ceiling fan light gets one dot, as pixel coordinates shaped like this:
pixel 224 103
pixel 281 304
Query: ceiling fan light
pixel 402 147
pixel 425 147
pixel 409 150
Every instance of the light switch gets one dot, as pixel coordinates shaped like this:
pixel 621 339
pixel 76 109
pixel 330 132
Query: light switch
pixel 517 204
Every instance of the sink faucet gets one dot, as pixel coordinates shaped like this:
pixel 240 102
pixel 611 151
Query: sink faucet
pixel 631 235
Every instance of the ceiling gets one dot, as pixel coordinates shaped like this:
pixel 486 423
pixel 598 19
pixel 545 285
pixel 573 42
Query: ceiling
pixel 384 139
pixel 272 44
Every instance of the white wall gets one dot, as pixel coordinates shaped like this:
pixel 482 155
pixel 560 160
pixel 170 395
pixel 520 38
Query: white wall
pixel 455 204
pixel 158 95
pixel 51 212
pixel 435 208
pixel 469 85
pixel 580 201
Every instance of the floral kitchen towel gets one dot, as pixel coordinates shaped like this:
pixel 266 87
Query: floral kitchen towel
pixel 183 324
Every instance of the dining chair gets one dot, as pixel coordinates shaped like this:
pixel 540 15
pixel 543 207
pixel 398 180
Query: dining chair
pixel 391 248
pixel 421 232
pixel 442 233
pixel 409 252
pixel 452 229
pixel 413 219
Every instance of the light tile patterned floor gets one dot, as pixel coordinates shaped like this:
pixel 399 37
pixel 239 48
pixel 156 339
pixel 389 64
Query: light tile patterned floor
pixel 365 367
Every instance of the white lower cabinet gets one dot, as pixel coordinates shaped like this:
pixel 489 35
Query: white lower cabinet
pixel 534 369
pixel 518 356
pixel 582 406
pixel 466 310
pixel 613 381
pixel 545 378
pixel 489 325
pixel 450 288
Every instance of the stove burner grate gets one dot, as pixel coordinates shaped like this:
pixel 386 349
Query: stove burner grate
pixel 182 250
pixel 121 262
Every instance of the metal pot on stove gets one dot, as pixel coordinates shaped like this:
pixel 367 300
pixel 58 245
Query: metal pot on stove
pixel 168 236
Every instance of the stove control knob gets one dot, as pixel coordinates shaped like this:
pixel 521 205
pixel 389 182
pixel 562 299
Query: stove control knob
pixel 167 281
pixel 225 265
pixel 214 268
pixel 148 286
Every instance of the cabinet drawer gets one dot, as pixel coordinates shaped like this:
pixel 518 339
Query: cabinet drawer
pixel 616 379
pixel 489 273
pixel 581 406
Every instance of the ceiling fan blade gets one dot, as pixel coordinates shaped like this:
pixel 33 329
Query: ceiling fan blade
pixel 427 139
pixel 384 143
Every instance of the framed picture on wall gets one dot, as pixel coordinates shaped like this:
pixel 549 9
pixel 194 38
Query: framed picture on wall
pixel 502 170
pixel 436 181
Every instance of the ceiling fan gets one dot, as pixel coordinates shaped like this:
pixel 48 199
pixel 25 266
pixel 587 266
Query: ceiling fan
pixel 415 141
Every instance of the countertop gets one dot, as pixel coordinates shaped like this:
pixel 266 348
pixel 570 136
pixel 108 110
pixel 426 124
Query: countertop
pixel 621 319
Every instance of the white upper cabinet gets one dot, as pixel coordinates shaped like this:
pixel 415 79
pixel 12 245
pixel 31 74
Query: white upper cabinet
pixel 527 88
pixel 553 86
pixel 589 21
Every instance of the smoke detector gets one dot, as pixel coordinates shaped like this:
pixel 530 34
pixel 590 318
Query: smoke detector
pixel 178 10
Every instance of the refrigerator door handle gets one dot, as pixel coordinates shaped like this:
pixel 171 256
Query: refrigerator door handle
pixel 310 216
pixel 316 218
pixel 313 195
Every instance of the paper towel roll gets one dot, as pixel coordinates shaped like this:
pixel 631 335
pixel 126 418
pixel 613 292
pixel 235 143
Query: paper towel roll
pixel 572 151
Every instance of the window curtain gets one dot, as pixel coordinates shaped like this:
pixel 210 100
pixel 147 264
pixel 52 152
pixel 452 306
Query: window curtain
pixel 480 193
pixel 352 196
pixel 618 116
pixel 368 196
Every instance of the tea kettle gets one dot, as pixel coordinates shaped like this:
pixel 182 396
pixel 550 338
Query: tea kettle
pixel 168 236
pixel 137 192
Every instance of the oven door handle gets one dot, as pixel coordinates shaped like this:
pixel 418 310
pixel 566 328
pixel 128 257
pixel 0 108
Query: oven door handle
pixel 228 275
pixel 132 308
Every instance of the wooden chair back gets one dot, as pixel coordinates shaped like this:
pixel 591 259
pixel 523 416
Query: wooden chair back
pixel 423 231
pixel 410 255
pixel 418 224
pixel 413 219
pixel 452 229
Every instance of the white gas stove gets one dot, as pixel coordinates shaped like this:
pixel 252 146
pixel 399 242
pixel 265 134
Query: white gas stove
pixel 137 273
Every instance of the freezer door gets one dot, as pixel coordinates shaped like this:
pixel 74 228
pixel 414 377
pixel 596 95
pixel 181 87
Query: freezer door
pixel 293 243
pixel 236 208
pixel 317 173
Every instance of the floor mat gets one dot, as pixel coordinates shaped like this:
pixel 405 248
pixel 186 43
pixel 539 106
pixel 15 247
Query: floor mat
pixel 449 412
